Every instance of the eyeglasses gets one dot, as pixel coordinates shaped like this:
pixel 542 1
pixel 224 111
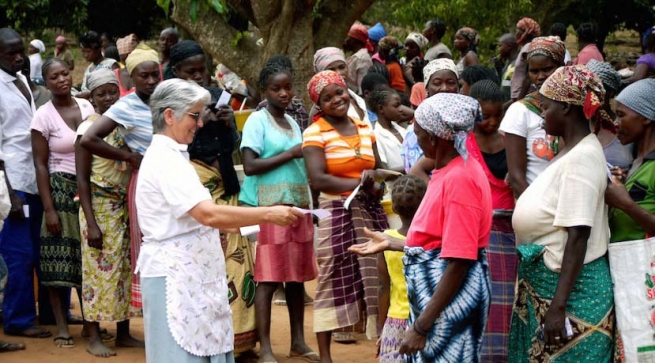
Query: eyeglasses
pixel 195 115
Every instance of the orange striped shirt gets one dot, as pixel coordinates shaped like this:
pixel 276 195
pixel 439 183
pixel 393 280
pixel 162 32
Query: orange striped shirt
pixel 345 156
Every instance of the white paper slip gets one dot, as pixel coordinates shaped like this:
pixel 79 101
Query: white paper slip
pixel 319 213
pixel 26 210
pixel 248 230
pixel 224 99
pixel 350 198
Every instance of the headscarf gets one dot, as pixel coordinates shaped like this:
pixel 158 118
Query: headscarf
pixel 388 43
pixel 126 45
pixel 470 34
pixel 576 85
pixel 60 39
pixel 437 65
pixel 639 97
pixel 359 32
pixel 530 27
pixel 610 77
pixel 376 32
pixel 419 39
pixel 326 56
pixel 139 56
pixel 551 47
pixel 99 78
pixel 320 81
pixel 449 116
pixel 36 43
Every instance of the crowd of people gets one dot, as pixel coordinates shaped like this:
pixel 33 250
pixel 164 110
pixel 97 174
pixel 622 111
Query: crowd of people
pixel 465 210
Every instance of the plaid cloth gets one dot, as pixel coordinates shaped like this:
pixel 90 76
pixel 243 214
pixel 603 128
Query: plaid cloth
pixel 295 109
pixel 503 261
pixel 347 283
pixel 135 239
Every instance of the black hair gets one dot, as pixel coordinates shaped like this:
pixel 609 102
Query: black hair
pixel 487 91
pixel 475 73
pixel 650 43
pixel 439 27
pixel 183 50
pixel 587 33
pixel 91 40
pixel 559 29
pixel 373 80
pixel 49 63
pixel 8 33
pixel 112 52
pixel 108 36
pixel 269 71
pixel 380 95
pixel 381 69
pixel 407 194
pixel 281 61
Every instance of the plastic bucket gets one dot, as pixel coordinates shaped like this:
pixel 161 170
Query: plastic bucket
pixel 240 118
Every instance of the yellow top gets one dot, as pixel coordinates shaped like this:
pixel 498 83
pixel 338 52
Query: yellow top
pixel 399 304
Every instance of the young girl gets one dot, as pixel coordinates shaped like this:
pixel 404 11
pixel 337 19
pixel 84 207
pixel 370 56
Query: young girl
pixel 487 146
pixel 388 134
pixel 406 196
pixel 275 175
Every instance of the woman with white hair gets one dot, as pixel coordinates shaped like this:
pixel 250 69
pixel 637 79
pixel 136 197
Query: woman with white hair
pixel 185 292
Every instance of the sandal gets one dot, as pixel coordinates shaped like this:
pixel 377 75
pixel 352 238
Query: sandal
pixel 308 357
pixel 344 338
pixel 10 347
pixel 33 332
pixel 64 342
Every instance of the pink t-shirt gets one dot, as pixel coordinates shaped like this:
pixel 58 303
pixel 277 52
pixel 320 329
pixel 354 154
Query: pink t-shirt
pixel 456 212
pixel 588 53
pixel 61 138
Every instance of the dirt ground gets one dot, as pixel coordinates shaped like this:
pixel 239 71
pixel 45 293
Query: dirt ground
pixel 45 351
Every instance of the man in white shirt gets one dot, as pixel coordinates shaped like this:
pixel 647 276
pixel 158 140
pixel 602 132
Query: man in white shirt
pixel 19 239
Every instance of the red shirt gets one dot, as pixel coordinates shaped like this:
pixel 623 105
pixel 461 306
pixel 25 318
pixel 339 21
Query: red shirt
pixel 456 212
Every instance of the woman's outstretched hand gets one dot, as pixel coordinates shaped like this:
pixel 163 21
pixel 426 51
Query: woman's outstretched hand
pixel 378 242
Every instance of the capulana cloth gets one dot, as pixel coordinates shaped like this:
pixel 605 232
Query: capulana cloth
pixel 639 97
pixel 470 34
pixel 551 47
pixel 417 38
pixel 449 116
pixel 437 65
pixel 530 28
pixel 127 44
pixel 359 32
pixel 101 77
pixel 36 43
pixel 608 75
pixel 326 56
pixel 376 32
pixel 576 85
pixel 60 39
pixel 388 43
pixel 320 81
pixel 139 56
pixel 184 49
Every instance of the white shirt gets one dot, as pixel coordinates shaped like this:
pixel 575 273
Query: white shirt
pixel 15 140
pixel 520 121
pixel 389 147
pixel 352 112
pixel 36 63
pixel 569 193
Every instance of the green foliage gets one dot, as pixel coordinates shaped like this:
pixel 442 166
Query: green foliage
pixel 219 6
pixel 37 15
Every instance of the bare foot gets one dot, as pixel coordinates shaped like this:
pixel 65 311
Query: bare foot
pixel 129 342
pixel 99 350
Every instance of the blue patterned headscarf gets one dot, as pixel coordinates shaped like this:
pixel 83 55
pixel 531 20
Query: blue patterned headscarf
pixel 611 78
pixel 639 97
pixel 449 116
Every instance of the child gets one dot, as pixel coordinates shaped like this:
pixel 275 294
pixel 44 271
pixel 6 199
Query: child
pixel 393 306
pixel 370 82
pixel 389 135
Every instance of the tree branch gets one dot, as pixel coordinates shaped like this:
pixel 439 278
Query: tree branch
pixel 336 18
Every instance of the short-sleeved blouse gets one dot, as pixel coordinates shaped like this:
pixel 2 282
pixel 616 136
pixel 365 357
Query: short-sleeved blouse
pixel 135 120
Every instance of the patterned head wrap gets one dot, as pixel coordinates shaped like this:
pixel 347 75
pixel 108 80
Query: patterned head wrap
pixel 376 32
pixel 36 43
pixel 101 77
pixel 530 28
pixel 550 47
pixel 326 56
pixel 449 116
pixel 359 32
pixel 126 45
pixel 419 39
pixel 388 43
pixel 320 81
pixel 639 97
pixel 578 86
pixel 610 77
pixel 470 34
pixel 139 56
pixel 437 65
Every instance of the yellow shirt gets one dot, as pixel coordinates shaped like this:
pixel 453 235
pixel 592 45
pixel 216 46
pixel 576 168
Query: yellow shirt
pixel 115 172
pixel 399 304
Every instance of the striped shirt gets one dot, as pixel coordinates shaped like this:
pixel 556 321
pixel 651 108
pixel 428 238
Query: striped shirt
pixel 345 156
pixel 135 122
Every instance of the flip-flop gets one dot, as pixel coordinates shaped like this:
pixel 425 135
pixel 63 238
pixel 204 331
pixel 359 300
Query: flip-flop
pixel 10 347
pixel 344 338
pixel 64 342
pixel 33 332
pixel 308 357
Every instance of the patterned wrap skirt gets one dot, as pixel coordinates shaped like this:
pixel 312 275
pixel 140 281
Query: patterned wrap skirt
pixel 390 340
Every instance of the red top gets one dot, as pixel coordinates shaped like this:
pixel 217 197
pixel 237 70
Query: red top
pixel 397 79
pixel 456 212
pixel 502 196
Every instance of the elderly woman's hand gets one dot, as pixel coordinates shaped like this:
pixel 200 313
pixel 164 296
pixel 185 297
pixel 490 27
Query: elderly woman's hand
pixel 283 216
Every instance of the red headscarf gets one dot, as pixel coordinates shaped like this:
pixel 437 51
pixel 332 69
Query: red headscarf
pixel 359 32
pixel 319 82
pixel 530 27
